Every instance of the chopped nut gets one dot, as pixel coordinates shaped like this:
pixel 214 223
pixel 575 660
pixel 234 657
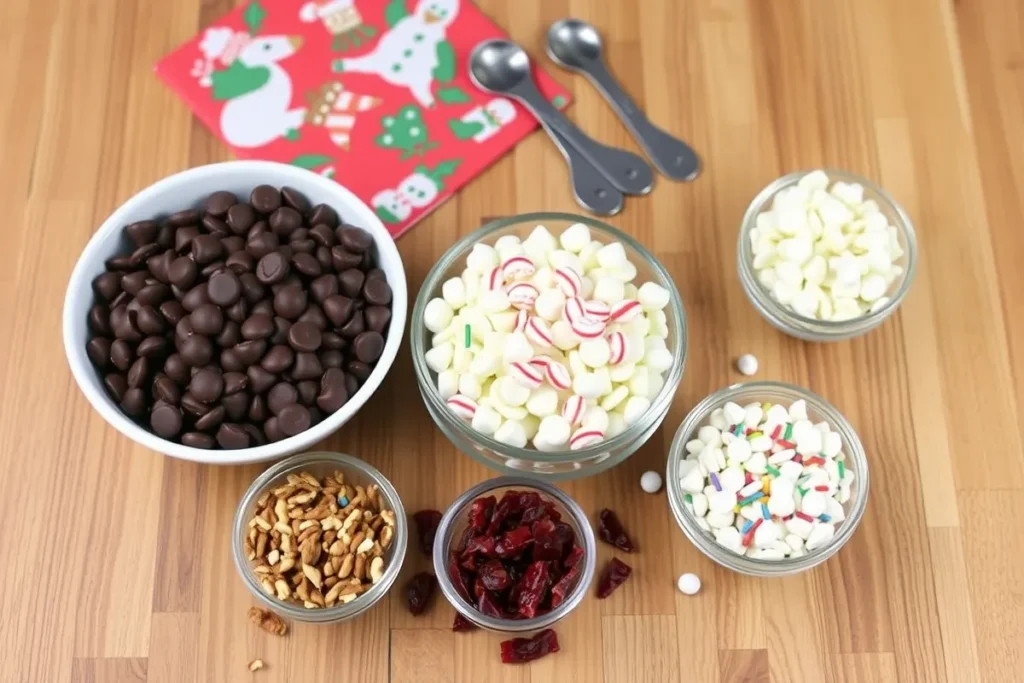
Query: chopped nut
pixel 386 535
pixel 376 569
pixel 273 556
pixel 256 665
pixel 313 574
pixel 268 621
pixel 359 571
pixel 346 566
pixel 356 541
pixel 365 546
pixel 284 591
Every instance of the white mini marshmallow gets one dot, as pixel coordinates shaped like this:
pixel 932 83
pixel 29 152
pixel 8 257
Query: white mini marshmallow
pixel 469 385
pixel 611 256
pixel 510 391
pixel 508 245
pixel 454 292
pixel 511 433
pixel 636 406
pixel 439 358
pixel 609 290
pixel 482 258
pixel 575 238
pixel 437 315
pixel 595 353
pixel 516 348
pixel 493 301
pixel 563 335
pixel 447 384
pixel 549 304
pixel 658 360
pixel 596 418
pixel 617 396
pixel 486 420
pixel 554 430
pixel 653 297
pixel 542 402
pixel 587 385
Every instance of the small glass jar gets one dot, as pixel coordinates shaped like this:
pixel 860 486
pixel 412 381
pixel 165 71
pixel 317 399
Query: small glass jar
pixel 454 523
pixel 818 409
pixel 320 464
pixel 555 465
pixel 810 329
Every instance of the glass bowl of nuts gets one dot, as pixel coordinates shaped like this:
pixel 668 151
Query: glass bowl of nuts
pixel 767 479
pixel 319 537
pixel 548 344
pixel 513 554
pixel 826 255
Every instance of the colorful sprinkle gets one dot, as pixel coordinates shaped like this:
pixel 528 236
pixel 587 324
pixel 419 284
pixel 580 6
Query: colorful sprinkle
pixel 798 458
pixel 786 444
pixel 738 429
pixel 764 511
pixel 754 435
pixel 842 469
pixel 749 478
pixel 750 499
pixel 822 487
pixel 814 461
pixel 825 518
pixel 749 536
pixel 766 484
pixel 806 518
pixel 714 480
pixel 343 501
pixel 469 336
pixel 746 526
pixel 802 490
pixel 772 470
pixel 688 498
pixel 789 431
pixel 775 432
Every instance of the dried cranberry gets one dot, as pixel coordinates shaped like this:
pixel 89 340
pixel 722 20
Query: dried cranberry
pixel 457 578
pixel 480 513
pixel 426 527
pixel 468 563
pixel 493 575
pixel 489 606
pixel 546 510
pixel 563 585
pixel 615 574
pixel 534 588
pixel 467 535
pixel 520 650
pixel 419 591
pixel 461 624
pixel 573 558
pixel 546 543
pixel 513 542
pixel 610 530
pixel 480 544
pixel 508 504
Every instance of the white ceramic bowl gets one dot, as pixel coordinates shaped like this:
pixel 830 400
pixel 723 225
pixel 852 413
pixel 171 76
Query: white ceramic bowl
pixel 190 188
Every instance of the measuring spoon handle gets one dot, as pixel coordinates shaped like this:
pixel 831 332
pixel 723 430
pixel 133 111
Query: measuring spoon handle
pixel 593 191
pixel 672 156
pixel 626 171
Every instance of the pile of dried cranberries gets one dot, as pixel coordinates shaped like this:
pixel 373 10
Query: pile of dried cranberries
pixel 516 559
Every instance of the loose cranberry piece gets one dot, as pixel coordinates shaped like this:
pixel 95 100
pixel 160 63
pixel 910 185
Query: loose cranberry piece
pixel 615 574
pixel 480 544
pixel 520 650
pixel 426 527
pixel 457 578
pixel 493 575
pixel 573 558
pixel 489 606
pixel 563 586
pixel 534 588
pixel 514 542
pixel 480 513
pixel 610 530
pixel 461 624
pixel 419 591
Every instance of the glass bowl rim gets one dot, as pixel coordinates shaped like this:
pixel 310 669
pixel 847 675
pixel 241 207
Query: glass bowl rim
pixel 789 317
pixel 432 283
pixel 753 566
pixel 339 612
pixel 458 507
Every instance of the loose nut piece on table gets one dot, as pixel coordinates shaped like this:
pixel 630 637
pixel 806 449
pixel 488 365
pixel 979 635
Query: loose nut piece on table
pixel 306 548
pixel 268 621
pixel 256 665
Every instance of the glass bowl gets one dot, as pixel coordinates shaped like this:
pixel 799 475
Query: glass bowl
pixel 454 523
pixel 818 409
pixel 553 465
pixel 810 329
pixel 320 464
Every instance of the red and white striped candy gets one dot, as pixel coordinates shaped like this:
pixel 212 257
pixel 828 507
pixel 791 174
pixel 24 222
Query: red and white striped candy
pixel 463 406
pixel 585 438
pixel 493 279
pixel 587 328
pixel 558 375
pixel 575 308
pixel 598 310
pixel 568 280
pixel 521 318
pixel 518 267
pixel 573 409
pixel 619 345
pixel 624 311
pixel 526 374
pixel 522 295
pixel 538 332
pixel 541 362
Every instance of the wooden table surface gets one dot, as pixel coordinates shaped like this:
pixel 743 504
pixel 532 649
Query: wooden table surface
pixel 116 560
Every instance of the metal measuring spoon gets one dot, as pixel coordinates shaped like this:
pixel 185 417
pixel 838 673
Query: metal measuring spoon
pixel 502 67
pixel 576 45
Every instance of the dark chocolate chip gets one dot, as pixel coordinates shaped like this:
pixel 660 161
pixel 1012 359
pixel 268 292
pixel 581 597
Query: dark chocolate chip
pixel 264 306
pixel 294 199
pixel 134 282
pixel 281 329
pixel 343 260
pixel 166 390
pixel 158 265
pixel 290 302
pixel 308 389
pixel 323 287
pixel 196 350
pixel 225 289
pixel 165 236
pixel 258 326
pixel 134 402
pixel 212 419
pixel 307 366
pixel 241 262
pixel 241 217
pixel 183 239
pixel 262 244
pixel 183 330
pixel 107 285
pixel 149 321
pixel 331 358
pixel 294 419
pixel 338 309
pixel 273 430
pixel 142 232
pixel 358 369
pixel 122 355
pixel 232 436
pixel 323 257
pixel 265 198
pixel 377 318
pixel 218 203
pixel 98 349
pixel 252 289
pixel 278 359
pixel 333 340
pixel 195 297
pixel 154 294
pixel 197 440
pixel 238 311
pixel 176 368
pixel 165 420
pixel 206 249
pixel 210 269
pixel 321 213
pixel 272 268
pixel 250 352
pixel 234 244
pixel 183 218
pixel 354 326
pixel 154 346
pixel 121 263
pixel 208 319
pixel 236 405
pixel 306 247
pixel 259 379
pixel 258 411
pixel 229 335
pixel 351 282
pixel 307 264
pixel 322 235
pixel 333 393
pixel 99 320
pixel 172 311
pixel 377 292
pixel 230 362
pixel 304 336
pixel 144 253
pixel 207 385
pixel 216 226
pixel 280 396
pixel 355 240
pixel 138 373
pixel 352 384
pixel 285 221
pixel 368 346
pixel 116 384
pixel 193 406
pixel 234 382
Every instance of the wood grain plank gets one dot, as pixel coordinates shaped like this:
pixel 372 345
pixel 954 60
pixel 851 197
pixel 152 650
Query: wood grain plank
pixel 794 642
pixel 178 581
pixel 875 667
pixel 641 648
pixel 744 666
pixel 109 670
pixel 959 644
pixel 173 647
pixel 422 655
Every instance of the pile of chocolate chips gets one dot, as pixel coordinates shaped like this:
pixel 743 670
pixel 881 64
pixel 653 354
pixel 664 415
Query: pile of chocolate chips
pixel 239 323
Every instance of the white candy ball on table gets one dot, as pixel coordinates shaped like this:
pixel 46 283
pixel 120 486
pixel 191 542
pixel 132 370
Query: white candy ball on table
pixel 454 292
pixel 688 584
pixel 437 315
pixel 653 297
pixel 650 482
pixel 747 364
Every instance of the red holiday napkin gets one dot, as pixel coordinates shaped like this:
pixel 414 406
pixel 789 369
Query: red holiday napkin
pixel 372 93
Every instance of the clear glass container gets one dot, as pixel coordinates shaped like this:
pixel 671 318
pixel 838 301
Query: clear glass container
pixel 320 464
pixel 454 523
pixel 556 465
pixel 818 409
pixel 810 329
